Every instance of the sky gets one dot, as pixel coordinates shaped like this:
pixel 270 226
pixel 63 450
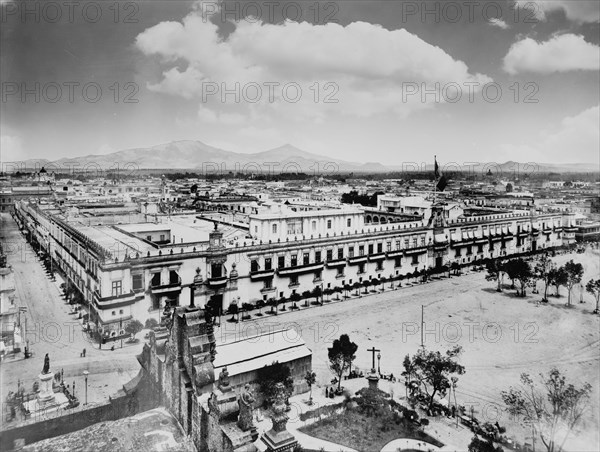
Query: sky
pixel 365 81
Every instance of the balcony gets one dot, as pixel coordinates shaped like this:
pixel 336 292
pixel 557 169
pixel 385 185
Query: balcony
pixel 357 260
pixel 547 230
pixel 217 282
pixel 158 288
pixel 336 263
pixel 268 289
pixel 394 254
pixel 300 269
pixel 116 300
pixel 417 250
pixel 262 274
pixel 376 257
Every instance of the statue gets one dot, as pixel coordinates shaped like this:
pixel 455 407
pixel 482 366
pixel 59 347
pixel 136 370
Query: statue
pixel 279 418
pixel 224 380
pixel 46 369
pixel 245 403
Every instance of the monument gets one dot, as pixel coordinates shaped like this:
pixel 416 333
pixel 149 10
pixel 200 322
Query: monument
pixel 278 438
pixel 46 400
pixel 245 421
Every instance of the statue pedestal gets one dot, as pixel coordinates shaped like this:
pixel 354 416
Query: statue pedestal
pixel 46 394
pixel 373 379
pixel 279 441
pixel 47 400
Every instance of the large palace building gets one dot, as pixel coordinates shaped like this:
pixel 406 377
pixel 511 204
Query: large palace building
pixel 132 270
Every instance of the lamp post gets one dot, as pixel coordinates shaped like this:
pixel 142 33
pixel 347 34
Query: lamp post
pixel 378 363
pixel 85 374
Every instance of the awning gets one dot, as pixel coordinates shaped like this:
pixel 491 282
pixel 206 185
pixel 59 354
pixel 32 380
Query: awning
pixel 470 234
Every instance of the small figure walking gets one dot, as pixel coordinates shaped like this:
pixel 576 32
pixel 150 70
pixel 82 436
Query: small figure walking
pixel 84 352
pixel 112 349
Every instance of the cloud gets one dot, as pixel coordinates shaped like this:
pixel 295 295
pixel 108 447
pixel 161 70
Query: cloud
pixel 562 53
pixel 362 66
pixel 575 139
pixel 12 148
pixel 208 116
pixel 495 22
pixel 582 11
pixel 578 137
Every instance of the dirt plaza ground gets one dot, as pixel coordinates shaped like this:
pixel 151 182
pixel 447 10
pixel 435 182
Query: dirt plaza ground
pixel 502 336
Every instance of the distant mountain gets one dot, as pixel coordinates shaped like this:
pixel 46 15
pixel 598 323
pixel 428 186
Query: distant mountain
pixel 196 155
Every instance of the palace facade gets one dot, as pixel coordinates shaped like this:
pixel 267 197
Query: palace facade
pixel 132 271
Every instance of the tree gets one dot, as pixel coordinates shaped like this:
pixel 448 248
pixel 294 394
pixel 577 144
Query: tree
pixel 375 282
pixel 574 274
pixel 366 283
pixel 544 272
pixel 483 445
pixel 520 270
pixel 234 311
pixel 295 298
pixel 341 354
pixel 317 292
pixel 328 292
pixel 134 327
pixel 558 277
pixel 593 287
pixel 495 272
pixel 433 370
pixel 273 303
pixel 306 295
pixel 283 301
pixel 311 379
pixel 455 267
pixel 270 375
pixel 552 411
pixel 260 304
pixel 151 323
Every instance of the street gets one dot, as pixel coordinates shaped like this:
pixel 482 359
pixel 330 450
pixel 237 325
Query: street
pixel 53 330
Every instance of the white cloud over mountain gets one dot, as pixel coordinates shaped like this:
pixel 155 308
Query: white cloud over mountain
pixel 561 53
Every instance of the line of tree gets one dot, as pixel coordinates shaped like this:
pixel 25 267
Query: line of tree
pixel 520 271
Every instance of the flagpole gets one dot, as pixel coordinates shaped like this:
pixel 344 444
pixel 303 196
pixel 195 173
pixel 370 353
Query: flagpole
pixel 434 178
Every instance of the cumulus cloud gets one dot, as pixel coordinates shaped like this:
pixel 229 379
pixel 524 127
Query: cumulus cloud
pixel 359 69
pixel 575 139
pixel 495 22
pixel 562 53
pixel 582 11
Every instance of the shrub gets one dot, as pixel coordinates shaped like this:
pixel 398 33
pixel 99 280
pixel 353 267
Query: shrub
pixel 150 324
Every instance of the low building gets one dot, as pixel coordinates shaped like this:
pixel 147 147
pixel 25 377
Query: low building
pixel 245 356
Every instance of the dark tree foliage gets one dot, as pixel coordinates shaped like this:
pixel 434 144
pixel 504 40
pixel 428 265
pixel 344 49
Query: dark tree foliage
pixel 269 376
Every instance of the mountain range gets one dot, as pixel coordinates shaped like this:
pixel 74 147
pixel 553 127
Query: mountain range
pixel 196 155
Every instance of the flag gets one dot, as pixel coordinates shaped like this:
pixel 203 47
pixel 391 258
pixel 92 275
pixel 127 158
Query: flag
pixel 440 179
pixel 442 183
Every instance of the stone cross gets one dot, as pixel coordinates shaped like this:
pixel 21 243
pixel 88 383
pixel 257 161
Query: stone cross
pixel 373 350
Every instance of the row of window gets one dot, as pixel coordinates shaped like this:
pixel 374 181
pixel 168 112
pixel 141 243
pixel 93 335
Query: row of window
pixel 294 227
pixel 329 254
